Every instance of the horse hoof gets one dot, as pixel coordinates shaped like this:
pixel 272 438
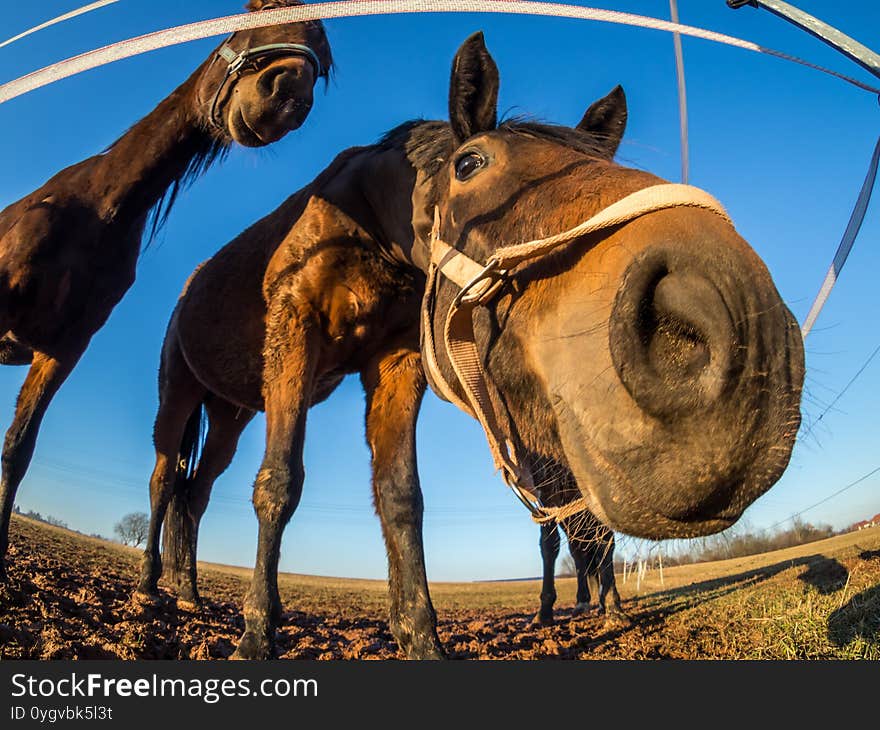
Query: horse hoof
pixel 251 647
pixel 426 651
pixel 145 599
pixel 544 619
pixel 617 620
pixel 582 609
pixel 187 604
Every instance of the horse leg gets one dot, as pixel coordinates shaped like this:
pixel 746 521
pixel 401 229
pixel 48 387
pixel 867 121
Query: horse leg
pixel 225 424
pixel 549 543
pixel 45 376
pixel 289 367
pixel 609 598
pixel 177 420
pixel 587 580
pixel 395 383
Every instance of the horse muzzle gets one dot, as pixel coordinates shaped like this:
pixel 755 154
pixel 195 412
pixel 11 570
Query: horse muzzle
pixel 676 385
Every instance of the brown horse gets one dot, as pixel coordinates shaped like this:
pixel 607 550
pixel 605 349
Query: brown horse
pixel 655 362
pixel 68 250
pixel 591 546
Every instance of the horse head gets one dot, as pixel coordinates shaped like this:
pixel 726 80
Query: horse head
pixel 653 358
pixel 258 85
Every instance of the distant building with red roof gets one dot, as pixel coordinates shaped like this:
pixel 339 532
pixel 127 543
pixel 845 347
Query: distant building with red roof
pixel 865 524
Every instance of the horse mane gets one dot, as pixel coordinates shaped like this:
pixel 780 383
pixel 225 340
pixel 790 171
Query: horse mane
pixel 207 150
pixel 213 150
pixel 210 151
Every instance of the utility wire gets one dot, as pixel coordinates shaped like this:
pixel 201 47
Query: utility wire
pixel 831 405
pixel 829 497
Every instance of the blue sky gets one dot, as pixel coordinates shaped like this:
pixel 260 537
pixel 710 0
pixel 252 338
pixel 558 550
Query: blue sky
pixel 783 147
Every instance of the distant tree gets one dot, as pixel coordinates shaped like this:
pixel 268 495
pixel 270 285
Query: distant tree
pixel 132 529
pixel 740 542
pixel 48 519
pixel 567 568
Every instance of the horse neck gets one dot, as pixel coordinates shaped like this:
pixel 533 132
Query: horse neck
pixel 134 173
pixel 400 222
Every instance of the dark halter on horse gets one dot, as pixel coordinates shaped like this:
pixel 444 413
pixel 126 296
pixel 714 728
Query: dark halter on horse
pixel 238 60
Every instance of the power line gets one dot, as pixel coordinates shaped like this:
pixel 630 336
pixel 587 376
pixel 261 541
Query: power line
pixel 831 405
pixel 359 8
pixel 829 497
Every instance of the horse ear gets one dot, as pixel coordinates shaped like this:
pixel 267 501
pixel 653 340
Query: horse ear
pixel 473 90
pixel 606 120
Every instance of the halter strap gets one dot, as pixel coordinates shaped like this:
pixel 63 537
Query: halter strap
pixel 478 284
pixel 236 60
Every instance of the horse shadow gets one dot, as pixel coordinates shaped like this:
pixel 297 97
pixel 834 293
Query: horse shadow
pixel 826 575
pixel 651 612
pixel 860 617
pixel 718 587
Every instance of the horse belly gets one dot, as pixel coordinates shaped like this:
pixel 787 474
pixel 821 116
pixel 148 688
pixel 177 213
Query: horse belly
pixel 220 325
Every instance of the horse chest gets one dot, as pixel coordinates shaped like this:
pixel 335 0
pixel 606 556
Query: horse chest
pixel 66 270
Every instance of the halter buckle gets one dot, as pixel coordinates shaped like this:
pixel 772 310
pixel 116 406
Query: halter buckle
pixel 535 508
pixel 492 276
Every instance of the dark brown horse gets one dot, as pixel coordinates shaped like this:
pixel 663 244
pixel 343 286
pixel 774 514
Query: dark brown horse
pixel 68 250
pixel 655 361
pixel 591 546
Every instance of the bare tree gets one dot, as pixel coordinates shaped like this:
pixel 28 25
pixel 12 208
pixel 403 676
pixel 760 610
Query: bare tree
pixel 567 568
pixel 132 529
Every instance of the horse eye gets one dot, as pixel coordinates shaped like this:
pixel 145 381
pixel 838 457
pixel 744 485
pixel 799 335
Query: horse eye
pixel 468 164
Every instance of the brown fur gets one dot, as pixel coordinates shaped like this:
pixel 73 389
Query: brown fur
pixel 68 250
pixel 340 294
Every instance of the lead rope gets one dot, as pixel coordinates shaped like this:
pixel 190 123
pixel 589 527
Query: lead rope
pixel 478 284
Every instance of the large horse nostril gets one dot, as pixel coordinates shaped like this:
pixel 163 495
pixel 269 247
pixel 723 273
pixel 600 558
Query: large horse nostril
pixel 675 327
pixel 672 338
pixel 273 80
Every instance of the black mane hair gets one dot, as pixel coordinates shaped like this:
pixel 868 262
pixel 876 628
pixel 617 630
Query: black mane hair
pixel 213 150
